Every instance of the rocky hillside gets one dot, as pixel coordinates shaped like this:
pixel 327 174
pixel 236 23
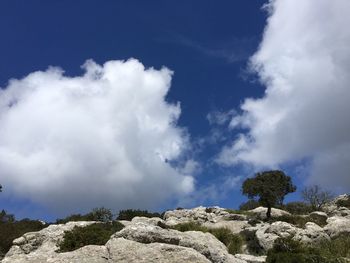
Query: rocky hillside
pixel 159 240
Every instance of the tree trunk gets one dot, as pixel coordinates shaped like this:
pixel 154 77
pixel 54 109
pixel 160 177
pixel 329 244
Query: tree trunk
pixel 268 213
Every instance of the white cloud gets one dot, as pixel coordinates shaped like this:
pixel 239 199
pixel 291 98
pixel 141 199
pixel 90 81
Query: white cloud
pixel 304 62
pixel 103 138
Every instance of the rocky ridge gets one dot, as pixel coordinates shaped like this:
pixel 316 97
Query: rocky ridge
pixel 153 240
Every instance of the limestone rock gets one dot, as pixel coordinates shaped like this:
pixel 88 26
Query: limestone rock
pixel 311 234
pixel 260 212
pixel 200 215
pixel 205 243
pixel 337 225
pixel 234 226
pixel 318 215
pixel 250 258
pixel 125 251
pixel 267 234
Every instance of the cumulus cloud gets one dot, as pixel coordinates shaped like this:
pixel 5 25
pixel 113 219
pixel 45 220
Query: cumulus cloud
pixel 304 62
pixel 103 138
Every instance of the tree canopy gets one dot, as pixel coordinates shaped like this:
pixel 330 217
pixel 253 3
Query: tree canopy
pixel 270 186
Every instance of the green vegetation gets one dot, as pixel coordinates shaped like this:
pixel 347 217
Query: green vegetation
pixel 94 234
pixel 289 251
pixel 131 213
pixel 233 242
pixel 345 202
pixel 270 186
pixel 97 214
pixel 11 229
pixel 298 208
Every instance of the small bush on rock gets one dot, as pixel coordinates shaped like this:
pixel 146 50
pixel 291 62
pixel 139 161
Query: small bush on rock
pixel 252 243
pixel 97 214
pixel 95 234
pixel 129 214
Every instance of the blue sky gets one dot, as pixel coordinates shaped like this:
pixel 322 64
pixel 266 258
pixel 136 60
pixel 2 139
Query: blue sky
pixel 208 47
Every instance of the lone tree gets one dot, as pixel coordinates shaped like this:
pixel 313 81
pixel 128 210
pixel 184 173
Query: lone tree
pixel 270 186
pixel 316 197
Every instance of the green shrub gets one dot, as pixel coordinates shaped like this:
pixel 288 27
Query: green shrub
pixel 252 242
pixel 94 234
pixel 249 205
pixel 97 214
pixel 233 242
pixel 345 202
pixel 286 250
pixel 14 229
pixel 131 213
pixel 298 208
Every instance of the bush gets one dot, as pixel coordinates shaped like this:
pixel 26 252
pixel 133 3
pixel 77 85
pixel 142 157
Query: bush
pixel 249 205
pixel 100 214
pixel 286 250
pixel 97 214
pixel 94 234
pixel 131 213
pixel 344 202
pixel 252 242
pixel 12 230
pixel 298 208
pixel 233 242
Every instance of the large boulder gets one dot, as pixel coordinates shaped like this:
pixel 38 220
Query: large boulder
pixel 39 246
pixel 125 251
pixel 267 234
pixel 337 225
pixel 260 212
pixel 204 243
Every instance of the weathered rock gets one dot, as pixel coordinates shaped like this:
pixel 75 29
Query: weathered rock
pixel 41 245
pixel 234 226
pixel 45 240
pixel 151 221
pixel 337 225
pixel 200 215
pixel 260 212
pixel 125 251
pixel 204 243
pixel 141 241
pixel 318 215
pixel 87 254
pixel 312 234
pixel 267 234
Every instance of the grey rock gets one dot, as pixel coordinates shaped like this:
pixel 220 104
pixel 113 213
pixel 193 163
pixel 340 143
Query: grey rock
pixel 251 258
pixel 337 225
pixel 124 251
pixel 204 243
pixel 260 212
